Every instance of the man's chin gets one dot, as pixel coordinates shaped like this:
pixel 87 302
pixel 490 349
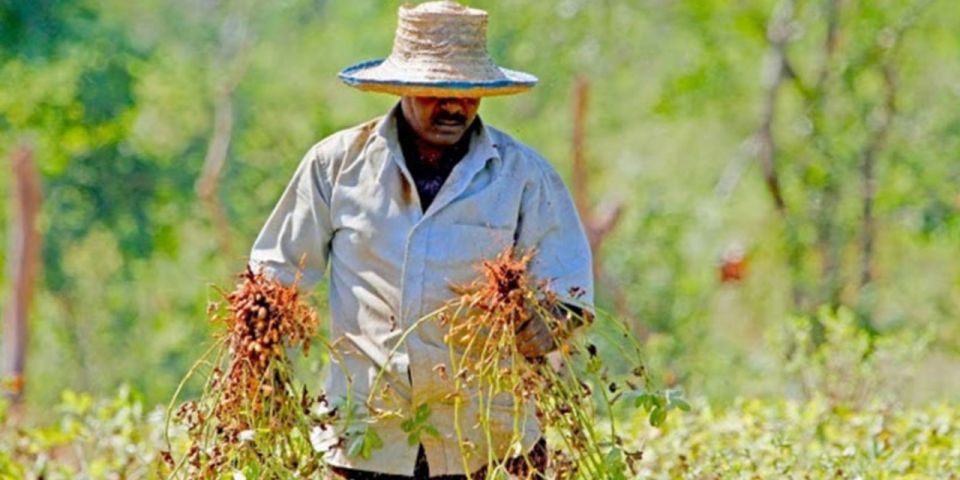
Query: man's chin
pixel 445 136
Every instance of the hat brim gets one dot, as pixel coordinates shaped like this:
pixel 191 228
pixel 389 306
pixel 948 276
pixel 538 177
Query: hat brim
pixel 511 83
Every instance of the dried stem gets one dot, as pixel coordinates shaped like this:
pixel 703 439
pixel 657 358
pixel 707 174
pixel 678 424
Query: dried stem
pixel 481 337
pixel 250 412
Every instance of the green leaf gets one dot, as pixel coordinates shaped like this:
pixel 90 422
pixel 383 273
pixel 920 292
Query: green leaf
pixel 375 440
pixel 371 442
pixel 657 416
pixel 613 456
pixel 423 413
pixel 646 401
pixel 355 447
pixel 614 465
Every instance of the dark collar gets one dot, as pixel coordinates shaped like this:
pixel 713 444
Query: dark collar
pixel 452 156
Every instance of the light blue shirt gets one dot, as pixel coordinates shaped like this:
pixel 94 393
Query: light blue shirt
pixel 352 205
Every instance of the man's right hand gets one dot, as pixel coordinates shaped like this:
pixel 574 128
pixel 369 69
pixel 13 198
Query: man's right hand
pixel 534 338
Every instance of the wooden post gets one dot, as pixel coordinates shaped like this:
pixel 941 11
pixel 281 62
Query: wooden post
pixel 597 226
pixel 23 260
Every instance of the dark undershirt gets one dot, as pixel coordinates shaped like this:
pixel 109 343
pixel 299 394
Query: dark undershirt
pixel 430 176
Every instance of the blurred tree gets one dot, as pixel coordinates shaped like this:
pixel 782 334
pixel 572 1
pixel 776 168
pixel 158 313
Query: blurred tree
pixel 847 99
pixel 75 101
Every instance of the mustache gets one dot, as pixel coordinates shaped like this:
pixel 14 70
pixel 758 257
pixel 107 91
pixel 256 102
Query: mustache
pixel 450 118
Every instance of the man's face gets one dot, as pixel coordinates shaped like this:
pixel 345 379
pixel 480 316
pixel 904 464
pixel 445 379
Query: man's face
pixel 440 121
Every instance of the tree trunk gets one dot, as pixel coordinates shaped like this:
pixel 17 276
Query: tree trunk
pixel 230 67
pixel 597 226
pixel 23 261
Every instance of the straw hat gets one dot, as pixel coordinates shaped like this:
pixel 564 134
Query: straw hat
pixel 440 50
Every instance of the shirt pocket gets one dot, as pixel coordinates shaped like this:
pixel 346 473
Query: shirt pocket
pixel 462 243
pixel 456 254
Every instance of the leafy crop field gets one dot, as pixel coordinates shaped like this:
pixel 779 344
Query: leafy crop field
pixel 120 437
pixel 784 439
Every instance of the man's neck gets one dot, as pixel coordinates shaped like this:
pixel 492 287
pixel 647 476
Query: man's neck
pixel 428 152
pixel 428 164
pixel 416 149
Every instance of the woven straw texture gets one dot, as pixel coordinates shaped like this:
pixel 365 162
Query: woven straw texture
pixel 439 50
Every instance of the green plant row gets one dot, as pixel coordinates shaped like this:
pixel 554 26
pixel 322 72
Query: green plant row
pixel 120 438
pixel 812 439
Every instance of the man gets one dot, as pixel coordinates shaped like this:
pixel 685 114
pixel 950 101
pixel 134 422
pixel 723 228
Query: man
pixel 404 206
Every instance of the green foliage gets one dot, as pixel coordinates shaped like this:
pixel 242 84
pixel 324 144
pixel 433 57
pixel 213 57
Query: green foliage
pixel 351 425
pixel 85 437
pixel 789 439
pixel 849 367
pixel 364 440
pixel 37 30
pixel 753 438
pixel 417 425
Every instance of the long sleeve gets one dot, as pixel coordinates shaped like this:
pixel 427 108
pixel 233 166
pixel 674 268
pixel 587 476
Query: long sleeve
pixel 299 229
pixel 549 225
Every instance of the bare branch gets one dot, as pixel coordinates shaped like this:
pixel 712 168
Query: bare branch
pixel 868 186
pixel 776 72
pixel 877 138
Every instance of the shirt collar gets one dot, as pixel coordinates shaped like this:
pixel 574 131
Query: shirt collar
pixel 481 145
pixel 482 150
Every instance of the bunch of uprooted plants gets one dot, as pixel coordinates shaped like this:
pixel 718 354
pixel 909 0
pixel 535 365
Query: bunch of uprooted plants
pixel 253 419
